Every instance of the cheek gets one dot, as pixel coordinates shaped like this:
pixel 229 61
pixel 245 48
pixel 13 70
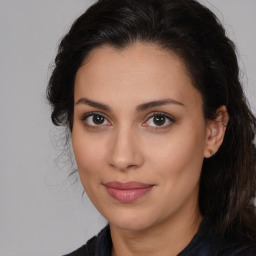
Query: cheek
pixel 177 166
pixel 89 165
pixel 178 155
pixel 88 154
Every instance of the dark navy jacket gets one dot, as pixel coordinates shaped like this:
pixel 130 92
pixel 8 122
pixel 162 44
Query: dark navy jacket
pixel 204 243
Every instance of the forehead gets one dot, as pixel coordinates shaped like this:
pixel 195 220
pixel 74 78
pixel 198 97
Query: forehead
pixel 136 73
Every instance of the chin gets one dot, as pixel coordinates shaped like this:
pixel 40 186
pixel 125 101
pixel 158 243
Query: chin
pixel 131 226
pixel 131 221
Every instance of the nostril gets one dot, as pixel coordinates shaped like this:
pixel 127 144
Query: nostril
pixel 124 153
pixel 126 162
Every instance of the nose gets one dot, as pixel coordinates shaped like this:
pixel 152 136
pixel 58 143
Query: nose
pixel 124 150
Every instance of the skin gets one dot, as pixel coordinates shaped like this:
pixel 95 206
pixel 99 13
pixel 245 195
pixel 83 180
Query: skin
pixel 130 146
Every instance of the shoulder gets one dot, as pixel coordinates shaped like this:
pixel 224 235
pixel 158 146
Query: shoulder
pixel 208 243
pixel 97 245
pixel 236 250
pixel 87 249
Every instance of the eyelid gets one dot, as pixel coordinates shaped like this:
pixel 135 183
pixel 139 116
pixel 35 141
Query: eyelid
pixel 151 115
pixel 168 116
pixel 85 116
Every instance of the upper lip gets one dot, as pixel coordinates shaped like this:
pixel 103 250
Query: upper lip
pixel 127 185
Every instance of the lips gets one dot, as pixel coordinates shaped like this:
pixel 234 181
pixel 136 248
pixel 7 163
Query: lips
pixel 127 192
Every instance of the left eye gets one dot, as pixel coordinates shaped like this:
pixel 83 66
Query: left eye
pixel 159 120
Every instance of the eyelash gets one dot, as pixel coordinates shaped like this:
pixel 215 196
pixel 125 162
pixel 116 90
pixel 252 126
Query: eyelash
pixel 155 114
pixel 161 114
pixel 86 116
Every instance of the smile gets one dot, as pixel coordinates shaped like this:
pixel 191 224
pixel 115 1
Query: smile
pixel 127 192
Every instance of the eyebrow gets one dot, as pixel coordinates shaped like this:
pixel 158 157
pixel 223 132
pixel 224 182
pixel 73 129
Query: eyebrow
pixel 157 103
pixel 139 108
pixel 93 104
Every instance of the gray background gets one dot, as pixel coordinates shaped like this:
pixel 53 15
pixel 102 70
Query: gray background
pixel 43 211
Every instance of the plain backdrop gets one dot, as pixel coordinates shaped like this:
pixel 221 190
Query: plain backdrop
pixel 42 210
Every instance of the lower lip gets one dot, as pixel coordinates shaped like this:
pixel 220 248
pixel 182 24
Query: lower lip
pixel 127 195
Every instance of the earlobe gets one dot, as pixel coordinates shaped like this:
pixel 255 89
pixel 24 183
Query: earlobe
pixel 215 132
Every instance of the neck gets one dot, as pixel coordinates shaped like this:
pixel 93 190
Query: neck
pixel 166 239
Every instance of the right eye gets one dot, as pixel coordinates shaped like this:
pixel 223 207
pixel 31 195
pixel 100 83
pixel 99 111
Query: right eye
pixel 95 119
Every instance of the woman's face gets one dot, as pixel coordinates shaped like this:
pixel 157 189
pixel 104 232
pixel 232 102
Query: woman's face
pixel 139 136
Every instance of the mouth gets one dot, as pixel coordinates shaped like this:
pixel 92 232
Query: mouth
pixel 127 192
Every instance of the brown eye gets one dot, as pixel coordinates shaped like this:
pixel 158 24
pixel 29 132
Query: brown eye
pixel 159 120
pixel 98 119
pixel 95 119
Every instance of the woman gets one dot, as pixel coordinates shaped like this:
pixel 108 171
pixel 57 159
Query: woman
pixel 161 131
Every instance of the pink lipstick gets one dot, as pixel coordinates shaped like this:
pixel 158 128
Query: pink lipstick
pixel 127 192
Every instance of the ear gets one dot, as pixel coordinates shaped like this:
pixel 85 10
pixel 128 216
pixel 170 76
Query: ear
pixel 215 132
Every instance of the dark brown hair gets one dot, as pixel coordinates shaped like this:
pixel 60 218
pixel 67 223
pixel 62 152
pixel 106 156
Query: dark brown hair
pixel 193 32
